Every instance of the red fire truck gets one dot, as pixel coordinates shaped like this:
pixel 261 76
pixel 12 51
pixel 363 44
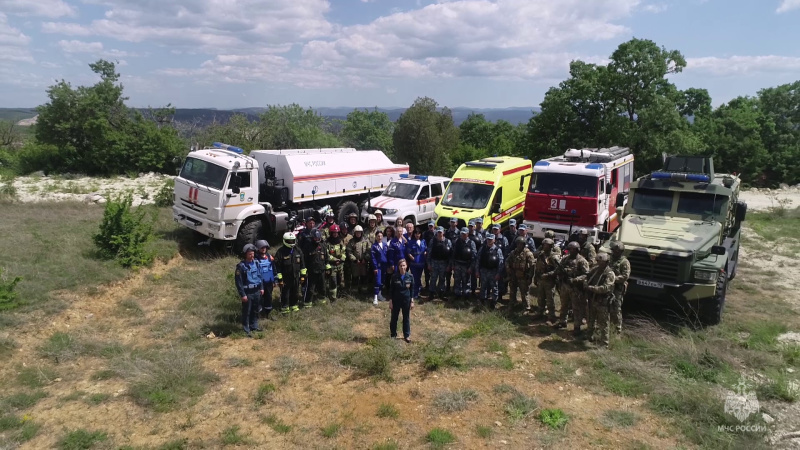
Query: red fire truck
pixel 580 189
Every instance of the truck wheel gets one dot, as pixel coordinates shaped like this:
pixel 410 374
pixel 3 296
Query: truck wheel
pixel 346 208
pixel 249 233
pixel 710 311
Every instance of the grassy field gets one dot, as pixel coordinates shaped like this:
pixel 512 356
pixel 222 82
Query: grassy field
pixel 155 360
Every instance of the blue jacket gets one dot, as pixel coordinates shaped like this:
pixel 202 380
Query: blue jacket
pixel 268 270
pixel 417 252
pixel 248 277
pixel 397 250
pixel 398 291
pixel 379 255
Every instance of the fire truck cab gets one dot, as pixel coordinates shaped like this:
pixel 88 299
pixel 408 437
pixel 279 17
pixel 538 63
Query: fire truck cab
pixel 580 189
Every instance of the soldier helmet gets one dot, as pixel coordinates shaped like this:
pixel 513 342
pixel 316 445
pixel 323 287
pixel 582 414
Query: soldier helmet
pixel 601 257
pixel 518 241
pixel 371 217
pixel 316 235
pixel 512 222
pixel 583 232
pixel 378 212
pixel 261 244
pixel 289 239
pixel 465 230
pixel 548 241
pixel 249 248
pixel 490 237
pixel 617 245
pixel 334 228
pixel 573 246
pixel 357 229
pixel 550 234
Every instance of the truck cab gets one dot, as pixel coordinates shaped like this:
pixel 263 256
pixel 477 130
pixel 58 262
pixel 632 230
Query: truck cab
pixel 682 231
pixel 412 198
pixel 578 189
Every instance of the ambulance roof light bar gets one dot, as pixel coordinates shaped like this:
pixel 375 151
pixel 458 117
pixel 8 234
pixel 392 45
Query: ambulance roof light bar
pixel 227 147
pixel 414 177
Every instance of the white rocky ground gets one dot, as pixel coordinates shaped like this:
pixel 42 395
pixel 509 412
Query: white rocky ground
pixel 89 189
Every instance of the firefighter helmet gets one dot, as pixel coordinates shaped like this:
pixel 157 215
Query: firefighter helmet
pixel 289 239
pixel 334 228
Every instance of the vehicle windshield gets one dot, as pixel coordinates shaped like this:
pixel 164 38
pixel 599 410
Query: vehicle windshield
pixel 205 173
pixel 467 195
pixel 699 203
pixel 652 200
pixel 401 190
pixel 564 184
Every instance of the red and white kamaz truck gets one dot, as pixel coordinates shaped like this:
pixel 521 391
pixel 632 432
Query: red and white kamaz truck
pixel 224 194
pixel 580 189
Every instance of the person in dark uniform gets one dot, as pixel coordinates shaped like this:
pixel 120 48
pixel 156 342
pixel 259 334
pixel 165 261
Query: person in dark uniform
pixel 417 252
pixel 488 267
pixel 290 265
pixel 427 236
pixel 268 274
pixel 250 287
pixel 451 234
pixel 463 256
pixel 319 267
pixel 440 252
pixel 400 288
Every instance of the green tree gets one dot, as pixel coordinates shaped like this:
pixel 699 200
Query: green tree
pixel 90 130
pixel 425 138
pixel 368 130
pixel 781 105
pixel 291 126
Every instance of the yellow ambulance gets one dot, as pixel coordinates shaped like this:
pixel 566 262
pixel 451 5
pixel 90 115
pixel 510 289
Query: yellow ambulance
pixel 492 188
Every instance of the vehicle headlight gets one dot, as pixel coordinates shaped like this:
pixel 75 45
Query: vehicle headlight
pixel 213 227
pixel 705 275
pixel 389 212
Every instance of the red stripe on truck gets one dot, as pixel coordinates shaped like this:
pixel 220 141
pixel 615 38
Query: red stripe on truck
pixel 349 174
pixel 515 170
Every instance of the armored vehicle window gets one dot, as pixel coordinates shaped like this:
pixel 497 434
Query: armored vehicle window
pixel 468 195
pixel 436 189
pixel 652 200
pixel 401 190
pixel 703 204
pixel 564 184
pixel 205 173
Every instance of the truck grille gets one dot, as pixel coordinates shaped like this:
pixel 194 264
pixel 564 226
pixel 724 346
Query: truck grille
pixel 664 267
pixel 194 207
pixel 564 217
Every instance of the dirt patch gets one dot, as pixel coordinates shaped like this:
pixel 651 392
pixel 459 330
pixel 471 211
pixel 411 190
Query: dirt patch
pixel 32 189
pixel 764 199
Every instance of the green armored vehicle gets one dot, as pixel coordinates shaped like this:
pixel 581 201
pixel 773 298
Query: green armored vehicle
pixel 681 228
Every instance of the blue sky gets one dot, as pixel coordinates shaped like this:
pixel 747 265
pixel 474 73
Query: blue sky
pixel 476 53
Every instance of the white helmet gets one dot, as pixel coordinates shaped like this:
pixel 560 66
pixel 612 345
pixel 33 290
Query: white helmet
pixel 357 229
pixel 289 239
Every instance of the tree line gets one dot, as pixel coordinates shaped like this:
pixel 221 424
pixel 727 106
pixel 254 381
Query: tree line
pixel 630 101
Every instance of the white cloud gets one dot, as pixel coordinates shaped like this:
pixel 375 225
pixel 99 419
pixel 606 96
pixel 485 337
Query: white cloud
pixel 788 5
pixel 70 29
pixel 80 46
pixel 744 65
pixel 13 44
pixel 655 8
pixel 44 8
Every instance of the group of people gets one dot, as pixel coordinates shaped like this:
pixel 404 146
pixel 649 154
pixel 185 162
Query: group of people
pixel 394 259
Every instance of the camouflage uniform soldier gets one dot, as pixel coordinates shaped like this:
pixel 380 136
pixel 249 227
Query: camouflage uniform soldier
pixel 547 262
pixel 358 257
pixel 587 248
pixel 550 234
pixel 463 255
pixel 622 270
pixel 336 257
pixel 572 271
pixel 520 266
pixel 599 284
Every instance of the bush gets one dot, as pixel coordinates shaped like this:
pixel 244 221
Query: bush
pixel 81 439
pixel 124 233
pixel 553 418
pixel 438 438
pixel 165 195
pixel 34 157
pixel 8 298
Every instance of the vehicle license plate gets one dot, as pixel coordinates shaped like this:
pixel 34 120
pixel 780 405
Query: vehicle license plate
pixel 652 284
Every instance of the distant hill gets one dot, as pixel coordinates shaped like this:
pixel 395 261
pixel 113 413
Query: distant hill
pixel 206 116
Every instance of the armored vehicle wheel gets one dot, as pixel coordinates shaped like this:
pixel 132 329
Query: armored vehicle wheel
pixel 249 233
pixel 710 310
pixel 346 208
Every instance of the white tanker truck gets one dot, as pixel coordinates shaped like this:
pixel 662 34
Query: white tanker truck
pixel 223 194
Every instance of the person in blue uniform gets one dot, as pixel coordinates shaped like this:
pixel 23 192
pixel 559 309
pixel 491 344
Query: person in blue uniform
pixel 250 287
pixel 380 265
pixel 268 274
pixel 400 288
pixel 417 252
pixel 397 246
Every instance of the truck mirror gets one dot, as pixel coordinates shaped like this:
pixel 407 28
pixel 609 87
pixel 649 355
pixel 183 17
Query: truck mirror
pixel 609 186
pixel 717 250
pixel 741 211
pixel 496 208
pixel 620 199
pixel 603 235
pixel 235 189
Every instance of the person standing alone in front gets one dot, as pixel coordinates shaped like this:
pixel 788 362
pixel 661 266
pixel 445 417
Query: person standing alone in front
pixel 401 287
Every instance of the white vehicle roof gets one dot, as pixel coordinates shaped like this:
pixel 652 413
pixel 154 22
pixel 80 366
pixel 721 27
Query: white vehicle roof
pixel 589 161
pixel 224 158
pixel 431 179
